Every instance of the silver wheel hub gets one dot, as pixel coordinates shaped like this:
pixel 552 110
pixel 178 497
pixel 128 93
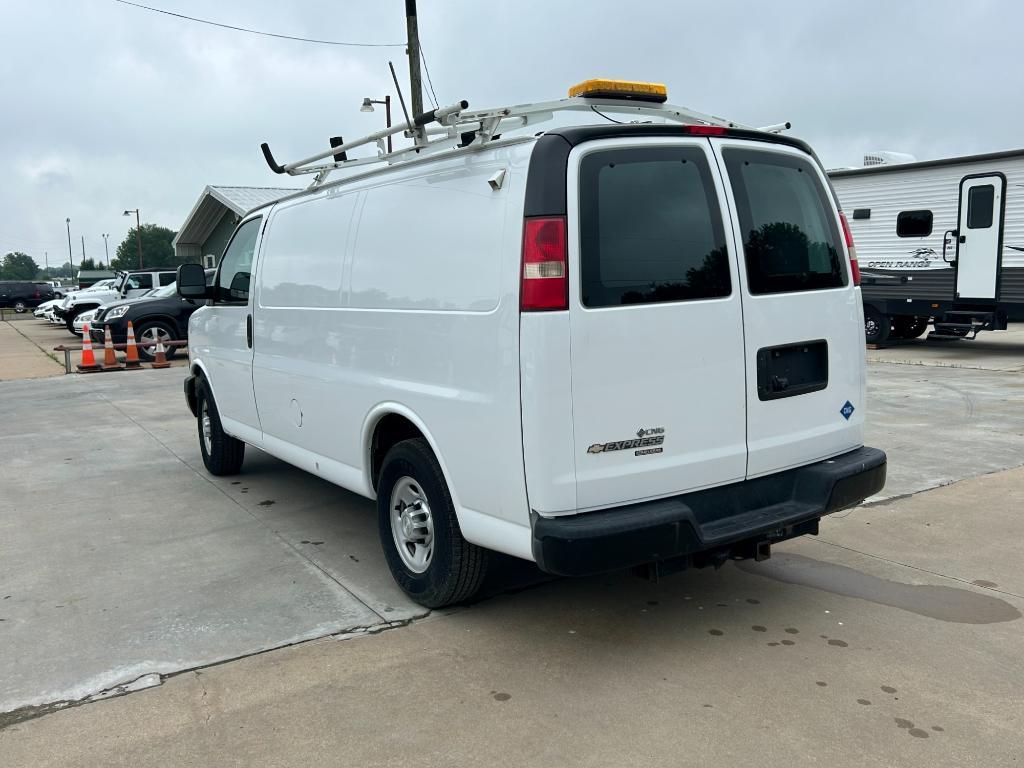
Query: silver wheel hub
pixel 412 524
pixel 207 429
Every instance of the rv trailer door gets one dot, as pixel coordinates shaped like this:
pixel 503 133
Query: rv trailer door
pixel 980 240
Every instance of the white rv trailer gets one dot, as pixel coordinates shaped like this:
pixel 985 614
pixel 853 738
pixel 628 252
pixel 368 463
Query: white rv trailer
pixel 940 241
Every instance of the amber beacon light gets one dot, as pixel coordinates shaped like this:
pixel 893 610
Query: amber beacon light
pixel 620 89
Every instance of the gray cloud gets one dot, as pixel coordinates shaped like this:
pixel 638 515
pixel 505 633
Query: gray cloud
pixel 106 107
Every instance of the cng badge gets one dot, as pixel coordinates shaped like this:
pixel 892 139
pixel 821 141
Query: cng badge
pixel 847 410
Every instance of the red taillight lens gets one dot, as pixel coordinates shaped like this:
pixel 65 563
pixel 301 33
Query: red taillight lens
pixel 854 267
pixel 545 276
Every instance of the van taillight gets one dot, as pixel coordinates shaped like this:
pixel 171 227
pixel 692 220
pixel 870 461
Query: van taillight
pixel 545 276
pixel 854 267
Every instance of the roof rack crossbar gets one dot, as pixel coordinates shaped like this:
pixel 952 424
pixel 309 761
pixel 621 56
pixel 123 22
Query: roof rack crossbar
pixel 455 121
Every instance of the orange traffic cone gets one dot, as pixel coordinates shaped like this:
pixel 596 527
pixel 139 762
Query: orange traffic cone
pixel 88 364
pixel 160 358
pixel 131 359
pixel 109 359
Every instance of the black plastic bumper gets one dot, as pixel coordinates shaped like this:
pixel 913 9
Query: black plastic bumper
pixel 729 519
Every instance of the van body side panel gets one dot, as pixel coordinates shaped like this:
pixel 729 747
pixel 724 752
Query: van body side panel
pixel 803 315
pixel 548 447
pixel 424 316
pixel 295 344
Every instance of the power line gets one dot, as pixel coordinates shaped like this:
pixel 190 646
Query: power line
pixel 429 81
pixel 259 32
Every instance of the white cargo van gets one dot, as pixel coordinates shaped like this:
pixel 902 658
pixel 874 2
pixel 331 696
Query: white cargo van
pixel 602 345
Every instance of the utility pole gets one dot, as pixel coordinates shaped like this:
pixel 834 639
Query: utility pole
pixel 83 248
pixel 413 50
pixel 138 236
pixel 106 250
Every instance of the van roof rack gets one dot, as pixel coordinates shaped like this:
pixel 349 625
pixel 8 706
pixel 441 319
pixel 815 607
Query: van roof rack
pixel 474 129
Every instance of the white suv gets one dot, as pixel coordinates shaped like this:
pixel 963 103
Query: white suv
pixel 602 346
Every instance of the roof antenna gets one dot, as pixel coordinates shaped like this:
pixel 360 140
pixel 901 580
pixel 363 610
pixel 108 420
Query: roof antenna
pixel 401 99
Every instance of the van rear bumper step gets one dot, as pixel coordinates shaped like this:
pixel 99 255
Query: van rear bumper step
pixel 723 519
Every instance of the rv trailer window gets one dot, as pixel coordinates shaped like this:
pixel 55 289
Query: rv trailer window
pixel 914 224
pixel 979 206
pixel 650 228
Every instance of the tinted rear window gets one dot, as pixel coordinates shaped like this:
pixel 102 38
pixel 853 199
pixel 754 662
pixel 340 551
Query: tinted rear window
pixel 650 228
pixel 790 238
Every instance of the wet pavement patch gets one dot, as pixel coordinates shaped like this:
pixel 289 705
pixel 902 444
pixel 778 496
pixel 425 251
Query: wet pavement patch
pixel 952 604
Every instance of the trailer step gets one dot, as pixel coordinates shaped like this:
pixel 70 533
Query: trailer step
pixel 965 324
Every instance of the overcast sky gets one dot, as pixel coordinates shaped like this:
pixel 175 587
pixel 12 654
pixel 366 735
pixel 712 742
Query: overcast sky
pixel 107 107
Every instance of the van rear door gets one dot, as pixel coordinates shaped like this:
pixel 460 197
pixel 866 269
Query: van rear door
pixel 802 314
pixel 656 324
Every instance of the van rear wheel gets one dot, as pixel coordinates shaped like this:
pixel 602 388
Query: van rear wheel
pixel 419 530
pixel 222 453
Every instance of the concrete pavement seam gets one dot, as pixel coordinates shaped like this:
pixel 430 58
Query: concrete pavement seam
pixel 23 714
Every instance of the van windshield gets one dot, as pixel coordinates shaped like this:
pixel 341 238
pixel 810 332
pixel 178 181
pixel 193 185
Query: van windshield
pixel 790 238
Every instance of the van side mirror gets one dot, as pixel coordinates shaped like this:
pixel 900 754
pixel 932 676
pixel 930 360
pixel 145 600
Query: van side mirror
pixel 192 281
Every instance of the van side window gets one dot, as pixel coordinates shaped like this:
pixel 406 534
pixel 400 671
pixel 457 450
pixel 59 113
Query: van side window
pixel 980 202
pixel 790 236
pixel 236 266
pixel 167 278
pixel 650 228
pixel 913 223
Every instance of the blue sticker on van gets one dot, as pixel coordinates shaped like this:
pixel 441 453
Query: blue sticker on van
pixel 847 410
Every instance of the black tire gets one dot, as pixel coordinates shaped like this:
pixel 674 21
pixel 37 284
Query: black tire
pixel 146 326
pixel 69 320
pixel 456 568
pixel 908 327
pixel 20 306
pixel 877 326
pixel 224 454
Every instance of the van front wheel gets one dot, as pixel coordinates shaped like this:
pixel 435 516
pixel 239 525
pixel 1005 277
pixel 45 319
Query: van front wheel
pixel 420 533
pixel 222 453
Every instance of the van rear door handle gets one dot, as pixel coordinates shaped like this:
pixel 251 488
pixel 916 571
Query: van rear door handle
pixel 248 330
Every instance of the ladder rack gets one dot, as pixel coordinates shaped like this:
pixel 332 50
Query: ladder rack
pixel 474 129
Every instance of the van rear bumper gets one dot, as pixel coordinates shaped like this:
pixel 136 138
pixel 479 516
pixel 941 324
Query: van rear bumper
pixel 730 520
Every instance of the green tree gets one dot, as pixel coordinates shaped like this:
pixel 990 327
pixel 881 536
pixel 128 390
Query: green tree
pixel 18 266
pixel 157 250
pixel 87 264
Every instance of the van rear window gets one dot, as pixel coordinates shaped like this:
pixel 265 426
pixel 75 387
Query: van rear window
pixel 790 238
pixel 650 228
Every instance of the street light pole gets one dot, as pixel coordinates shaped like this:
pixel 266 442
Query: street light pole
pixel 138 232
pixel 71 257
pixel 368 107
pixel 106 251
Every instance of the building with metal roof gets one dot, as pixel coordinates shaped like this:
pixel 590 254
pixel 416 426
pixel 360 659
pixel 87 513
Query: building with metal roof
pixel 211 221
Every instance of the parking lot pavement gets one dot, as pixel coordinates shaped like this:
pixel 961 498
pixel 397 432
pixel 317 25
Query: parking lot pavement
pixel 22 358
pixel 118 559
pixel 28 340
pixel 991 350
pixel 821 656
pixel 124 561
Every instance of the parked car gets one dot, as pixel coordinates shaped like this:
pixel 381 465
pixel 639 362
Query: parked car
pixel 591 343
pixel 43 311
pixel 21 295
pixel 87 317
pixel 161 315
pixel 126 285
